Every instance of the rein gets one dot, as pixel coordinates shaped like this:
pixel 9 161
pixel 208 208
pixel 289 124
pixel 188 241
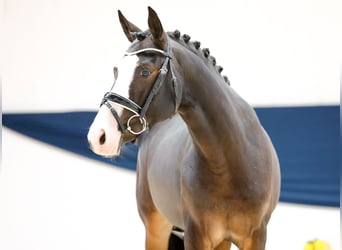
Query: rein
pixel 139 112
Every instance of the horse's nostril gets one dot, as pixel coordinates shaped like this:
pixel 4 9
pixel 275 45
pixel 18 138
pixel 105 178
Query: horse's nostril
pixel 102 138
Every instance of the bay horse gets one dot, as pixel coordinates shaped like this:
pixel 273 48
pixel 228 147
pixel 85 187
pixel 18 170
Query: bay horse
pixel 205 164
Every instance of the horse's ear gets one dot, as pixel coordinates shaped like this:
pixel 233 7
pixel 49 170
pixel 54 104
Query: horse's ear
pixel 156 29
pixel 127 27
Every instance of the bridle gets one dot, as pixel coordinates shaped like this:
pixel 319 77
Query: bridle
pixel 139 113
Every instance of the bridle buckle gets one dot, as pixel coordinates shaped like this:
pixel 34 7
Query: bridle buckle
pixel 142 121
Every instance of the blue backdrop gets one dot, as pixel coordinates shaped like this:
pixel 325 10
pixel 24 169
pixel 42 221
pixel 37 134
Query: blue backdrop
pixel 306 139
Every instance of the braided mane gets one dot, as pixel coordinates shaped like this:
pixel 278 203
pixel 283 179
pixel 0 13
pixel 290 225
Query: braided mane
pixel 195 47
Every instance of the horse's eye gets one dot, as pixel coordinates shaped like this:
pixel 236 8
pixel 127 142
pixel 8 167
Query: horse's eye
pixel 145 73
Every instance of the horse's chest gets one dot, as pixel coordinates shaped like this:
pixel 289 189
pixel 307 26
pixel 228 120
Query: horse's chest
pixel 161 158
pixel 165 191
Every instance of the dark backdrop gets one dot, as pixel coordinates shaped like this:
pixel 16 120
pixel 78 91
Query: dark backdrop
pixel 306 140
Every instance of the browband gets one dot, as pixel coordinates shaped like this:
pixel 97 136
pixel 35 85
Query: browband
pixel 162 52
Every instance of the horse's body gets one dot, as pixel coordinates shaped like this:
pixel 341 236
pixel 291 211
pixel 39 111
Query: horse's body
pixel 211 169
pixel 231 199
pixel 157 174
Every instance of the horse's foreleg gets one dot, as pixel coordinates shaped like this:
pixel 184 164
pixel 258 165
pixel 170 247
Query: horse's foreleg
pixel 198 243
pixel 157 228
pixel 256 242
pixel 225 245
pixel 201 235
pixel 195 238
pixel 158 231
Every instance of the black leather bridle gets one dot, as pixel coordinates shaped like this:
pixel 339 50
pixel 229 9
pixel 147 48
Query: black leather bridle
pixel 139 112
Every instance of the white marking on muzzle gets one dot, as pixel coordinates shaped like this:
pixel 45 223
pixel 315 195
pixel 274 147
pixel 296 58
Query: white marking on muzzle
pixel 104 136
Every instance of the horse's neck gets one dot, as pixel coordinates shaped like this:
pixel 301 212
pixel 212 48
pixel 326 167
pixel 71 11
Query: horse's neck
pixel 213 113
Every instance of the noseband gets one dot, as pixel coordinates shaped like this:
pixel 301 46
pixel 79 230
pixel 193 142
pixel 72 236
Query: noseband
pixel 139 112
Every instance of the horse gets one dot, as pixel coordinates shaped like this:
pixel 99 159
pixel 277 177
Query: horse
pixel 205 164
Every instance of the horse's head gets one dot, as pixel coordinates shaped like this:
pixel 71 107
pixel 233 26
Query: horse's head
pixel 144 91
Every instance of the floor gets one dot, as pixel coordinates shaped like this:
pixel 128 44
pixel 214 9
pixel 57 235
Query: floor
pixel 53 199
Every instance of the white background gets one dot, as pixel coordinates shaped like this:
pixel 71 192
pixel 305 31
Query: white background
pixel 54 200
pixel 57 55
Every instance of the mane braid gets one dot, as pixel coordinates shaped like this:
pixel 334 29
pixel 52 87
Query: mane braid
pixel 194 46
